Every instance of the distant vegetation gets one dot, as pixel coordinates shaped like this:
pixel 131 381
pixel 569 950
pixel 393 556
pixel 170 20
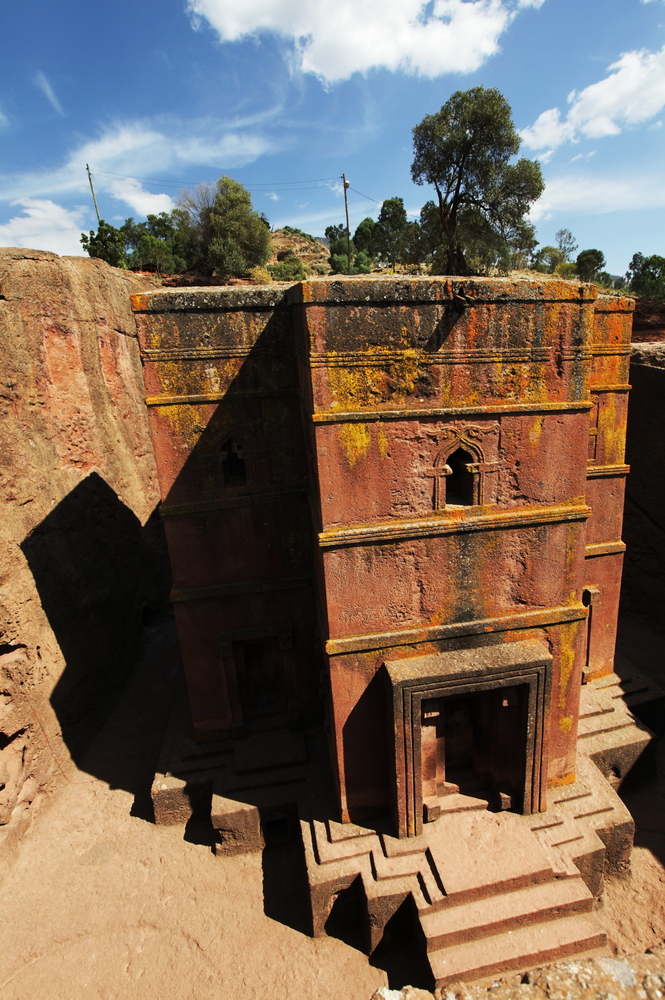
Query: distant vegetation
pixel 477 225
pixel 214 230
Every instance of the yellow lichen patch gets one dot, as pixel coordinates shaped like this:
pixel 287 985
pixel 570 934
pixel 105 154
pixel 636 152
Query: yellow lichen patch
pixel 382 442
pixel 536 430
pixel 565 723
pixel 186 422
pixel 386 376
pixel 355 440
pixel 566 665
pixel 566 779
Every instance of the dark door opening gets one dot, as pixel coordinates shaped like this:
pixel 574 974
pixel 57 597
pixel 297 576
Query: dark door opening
pixel 261 681
pixel 476 744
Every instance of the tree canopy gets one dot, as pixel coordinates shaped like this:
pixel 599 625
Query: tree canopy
pixel 589 264
pixel 646 276
pixel 464 152
pixel 339 245
pixel 214 230
pixel 389 230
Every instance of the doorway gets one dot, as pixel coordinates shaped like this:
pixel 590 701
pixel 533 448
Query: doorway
pixel 475 744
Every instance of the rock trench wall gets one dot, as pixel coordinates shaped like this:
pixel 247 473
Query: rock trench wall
pixel 81 553
pixel 643 587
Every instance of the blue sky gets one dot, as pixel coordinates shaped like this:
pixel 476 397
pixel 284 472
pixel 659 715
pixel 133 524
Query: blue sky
pixel 285 95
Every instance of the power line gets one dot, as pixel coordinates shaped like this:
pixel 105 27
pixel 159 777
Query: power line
pixel 269 185
pixel 365 196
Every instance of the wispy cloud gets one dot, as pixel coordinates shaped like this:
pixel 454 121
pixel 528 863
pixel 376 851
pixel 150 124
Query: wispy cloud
pixel 48 92
pixel 128 151
pixel 43 225
pixel 335 38
pixel 591 195
pixel 633 93
pixel 4 120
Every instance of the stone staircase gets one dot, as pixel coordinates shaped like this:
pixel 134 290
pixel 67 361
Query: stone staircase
pixel 610 732
pixel 490 897
pixel 492 892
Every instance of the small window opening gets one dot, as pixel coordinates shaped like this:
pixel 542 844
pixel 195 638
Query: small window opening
pixel 459 482
pixel 233 465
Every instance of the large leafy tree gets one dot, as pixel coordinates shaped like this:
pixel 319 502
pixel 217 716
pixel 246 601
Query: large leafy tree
pixel 389 232
pixel 214 230
pixel 464 152
pixel 340 246
pixel 589 264
pixel 646 276
pixel 107 243
pixel 234 236
pixel 363 238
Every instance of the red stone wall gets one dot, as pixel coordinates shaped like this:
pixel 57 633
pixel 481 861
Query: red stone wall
pixel 348 396
pixel 80 556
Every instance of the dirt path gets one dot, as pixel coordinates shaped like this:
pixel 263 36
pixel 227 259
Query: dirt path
pixel 103 905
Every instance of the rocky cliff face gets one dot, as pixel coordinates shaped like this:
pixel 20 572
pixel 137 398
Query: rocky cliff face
pixel 80 554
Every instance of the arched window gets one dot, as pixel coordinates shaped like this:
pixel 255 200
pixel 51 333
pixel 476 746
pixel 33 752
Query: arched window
pixel 233 464
pixel 460 480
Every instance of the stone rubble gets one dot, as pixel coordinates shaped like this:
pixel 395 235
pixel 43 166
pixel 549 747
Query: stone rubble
pixel 635 977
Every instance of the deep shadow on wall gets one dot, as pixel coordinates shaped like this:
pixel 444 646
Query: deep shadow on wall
pixel 99 573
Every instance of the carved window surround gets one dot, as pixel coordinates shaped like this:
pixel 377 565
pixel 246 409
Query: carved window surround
pixel 479 440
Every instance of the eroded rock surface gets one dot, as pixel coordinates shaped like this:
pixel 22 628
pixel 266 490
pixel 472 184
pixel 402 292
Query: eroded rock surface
pixel 79 555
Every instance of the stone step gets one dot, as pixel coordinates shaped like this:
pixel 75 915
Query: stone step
pixel 481 854
pixel 454 925
pixel 520 949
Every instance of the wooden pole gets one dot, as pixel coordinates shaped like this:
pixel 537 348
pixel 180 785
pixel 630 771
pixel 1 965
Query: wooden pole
pixel 93 193
pixel 348 231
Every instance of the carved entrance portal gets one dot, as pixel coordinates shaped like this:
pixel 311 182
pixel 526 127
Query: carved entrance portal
pixel 469 721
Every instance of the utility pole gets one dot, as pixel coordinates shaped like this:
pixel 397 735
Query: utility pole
pixel 348 231
pixel 93 193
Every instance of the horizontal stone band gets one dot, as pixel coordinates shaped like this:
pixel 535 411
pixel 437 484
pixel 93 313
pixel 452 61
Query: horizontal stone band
pixel 417 413
pixel 434 633
pixel 437 525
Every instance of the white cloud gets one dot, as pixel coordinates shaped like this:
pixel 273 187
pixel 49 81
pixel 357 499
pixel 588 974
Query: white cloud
pixel 44 226
pixel 49 93
pixel 4 120
pixel 143 202
pixel 591 195
pixel 127 152
pixel 335 38
pixel 632 93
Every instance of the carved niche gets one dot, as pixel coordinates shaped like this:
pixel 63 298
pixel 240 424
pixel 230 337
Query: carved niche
pixel 464 470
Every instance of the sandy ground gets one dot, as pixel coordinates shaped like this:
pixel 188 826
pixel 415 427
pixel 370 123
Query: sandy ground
pixel 102 905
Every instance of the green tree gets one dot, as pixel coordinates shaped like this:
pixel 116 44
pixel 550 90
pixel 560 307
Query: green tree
pixel 589 264
pixel 566 244
pixel 335 233
pixel 646 276
pixel 464 151
pixel 108 243
pixel 339 263
pixel 389 231
pixel 363 238
pixel 548 259
pixel 164 243
pixel 234 237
